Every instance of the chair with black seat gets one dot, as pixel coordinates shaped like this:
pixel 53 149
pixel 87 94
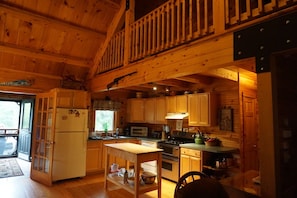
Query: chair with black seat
pixel 197 184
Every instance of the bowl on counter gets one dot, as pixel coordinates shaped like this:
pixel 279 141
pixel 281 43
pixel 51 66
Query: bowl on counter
pixel 131 180
pixel 148 177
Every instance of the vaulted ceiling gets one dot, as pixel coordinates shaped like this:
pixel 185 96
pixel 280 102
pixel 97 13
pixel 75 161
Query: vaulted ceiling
pixel 46 42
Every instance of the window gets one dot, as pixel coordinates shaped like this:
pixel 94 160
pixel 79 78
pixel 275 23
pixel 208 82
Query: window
pixel 9 114
pixel 104 119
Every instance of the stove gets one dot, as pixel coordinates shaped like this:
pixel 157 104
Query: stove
pixel 170 154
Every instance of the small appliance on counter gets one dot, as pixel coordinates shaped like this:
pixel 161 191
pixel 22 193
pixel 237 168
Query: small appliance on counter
pixel 138 131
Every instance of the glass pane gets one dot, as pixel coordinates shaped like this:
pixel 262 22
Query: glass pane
pixel 26 116
pixel 9 114
pixel 104 119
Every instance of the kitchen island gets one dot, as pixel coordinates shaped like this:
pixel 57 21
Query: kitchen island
pixel 136 154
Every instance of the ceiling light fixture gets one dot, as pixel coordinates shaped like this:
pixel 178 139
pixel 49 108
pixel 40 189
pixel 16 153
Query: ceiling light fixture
pixel 155 88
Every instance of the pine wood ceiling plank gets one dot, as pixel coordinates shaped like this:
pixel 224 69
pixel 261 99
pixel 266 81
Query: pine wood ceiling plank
pixel 48 21
pixel 12 49
pixel 10 30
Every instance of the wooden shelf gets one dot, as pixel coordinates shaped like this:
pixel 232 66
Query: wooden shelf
pixel 143 188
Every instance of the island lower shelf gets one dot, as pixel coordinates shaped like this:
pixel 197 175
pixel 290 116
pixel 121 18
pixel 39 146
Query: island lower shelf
pixel 143 188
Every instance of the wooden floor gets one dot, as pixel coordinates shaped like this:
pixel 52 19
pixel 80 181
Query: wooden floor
pixel 89 186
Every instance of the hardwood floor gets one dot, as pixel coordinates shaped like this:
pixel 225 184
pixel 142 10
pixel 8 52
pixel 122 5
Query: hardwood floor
pixel 90 186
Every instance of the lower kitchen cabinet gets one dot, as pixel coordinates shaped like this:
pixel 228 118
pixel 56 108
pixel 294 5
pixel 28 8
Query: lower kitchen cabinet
pixel 96 151
pixel 190 160
pixel 94 157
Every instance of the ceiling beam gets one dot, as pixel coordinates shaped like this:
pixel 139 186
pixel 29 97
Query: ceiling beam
pixel 31 74
pixel 47 21
pixel 13 49
pixel 173 83
pixel 196 78
pixel 224 73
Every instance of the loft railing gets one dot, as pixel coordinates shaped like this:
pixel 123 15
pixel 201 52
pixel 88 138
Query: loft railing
pixel 181 21
pixel 239 11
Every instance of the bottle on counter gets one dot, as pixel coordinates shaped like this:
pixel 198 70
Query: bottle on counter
pixel 126 177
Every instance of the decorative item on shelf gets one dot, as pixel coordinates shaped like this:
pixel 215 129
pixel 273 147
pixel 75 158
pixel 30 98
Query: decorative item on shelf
pixel 213 142
pixel 199 138
pixel 138 94
pixel 148 177
pixel 226 119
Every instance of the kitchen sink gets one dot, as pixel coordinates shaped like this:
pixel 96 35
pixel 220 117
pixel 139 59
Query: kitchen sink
pixel 107 137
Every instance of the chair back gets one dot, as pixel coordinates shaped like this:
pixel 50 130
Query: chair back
pixel 196 184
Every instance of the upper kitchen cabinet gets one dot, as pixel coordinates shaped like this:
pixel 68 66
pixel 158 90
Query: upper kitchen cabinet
pixel 160 110
pixel 149 110
pixel 155 110
pixel 177 104
pixel 202 108
pixel 136 110
pixel 67 98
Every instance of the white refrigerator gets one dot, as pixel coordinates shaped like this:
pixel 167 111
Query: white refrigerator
pixel 70 144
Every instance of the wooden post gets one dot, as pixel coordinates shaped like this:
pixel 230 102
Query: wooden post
pixel 218 16
pixel 129 19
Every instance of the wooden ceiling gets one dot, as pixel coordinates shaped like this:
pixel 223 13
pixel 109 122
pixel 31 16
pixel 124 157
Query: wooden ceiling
pixel 49 43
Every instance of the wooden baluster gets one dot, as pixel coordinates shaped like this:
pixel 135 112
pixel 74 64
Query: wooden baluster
pixel 190 35
pixel 172 24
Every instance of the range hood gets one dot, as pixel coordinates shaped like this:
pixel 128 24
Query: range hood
pixel 176 116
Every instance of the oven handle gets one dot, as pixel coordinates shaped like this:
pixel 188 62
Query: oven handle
pixel 166 157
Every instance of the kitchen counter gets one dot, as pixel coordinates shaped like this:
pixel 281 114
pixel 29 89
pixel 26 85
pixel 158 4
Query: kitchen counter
pixel 110 138
pixel 124 137
pixel 213 149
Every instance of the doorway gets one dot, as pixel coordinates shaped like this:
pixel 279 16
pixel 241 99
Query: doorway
pixel 250 134
pixel 15 128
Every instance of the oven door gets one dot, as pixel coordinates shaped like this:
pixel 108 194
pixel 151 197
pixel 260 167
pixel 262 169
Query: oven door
pixel 169 150
pixel 170 167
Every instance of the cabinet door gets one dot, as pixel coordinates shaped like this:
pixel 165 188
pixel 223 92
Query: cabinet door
pixel 203 109
pixel 195 164
pixel 136 110
pixel 193 110
pixel 182 103
pixel 160 110
pixel 80 99
pixel 171 104
pixel 64 99
pixel 149 112
pixel 184 164
pixel 94 156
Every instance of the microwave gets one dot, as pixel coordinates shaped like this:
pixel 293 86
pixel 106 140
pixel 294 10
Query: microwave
pixel 137 131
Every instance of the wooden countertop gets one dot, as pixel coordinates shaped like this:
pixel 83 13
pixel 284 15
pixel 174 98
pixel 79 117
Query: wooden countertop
pixel 213 149
pixel 134 148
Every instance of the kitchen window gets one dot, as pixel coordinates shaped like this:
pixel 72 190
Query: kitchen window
pixel 104 120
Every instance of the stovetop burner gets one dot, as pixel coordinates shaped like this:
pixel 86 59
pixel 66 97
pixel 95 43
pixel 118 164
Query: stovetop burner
pixel 180 138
